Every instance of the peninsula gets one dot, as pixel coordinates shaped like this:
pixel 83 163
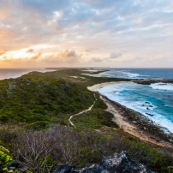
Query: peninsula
pixel 62 111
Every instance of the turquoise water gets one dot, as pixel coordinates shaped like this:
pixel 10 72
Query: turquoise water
pixel 138 73
pixel 155 101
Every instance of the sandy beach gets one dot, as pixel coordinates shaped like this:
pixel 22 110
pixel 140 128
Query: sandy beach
pixel 133 122
pixel 96 87
pixel 92 70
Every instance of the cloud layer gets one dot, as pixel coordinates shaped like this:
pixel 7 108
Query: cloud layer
pixel 101 33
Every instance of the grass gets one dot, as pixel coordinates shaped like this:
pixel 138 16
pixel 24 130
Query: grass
pixel 94 119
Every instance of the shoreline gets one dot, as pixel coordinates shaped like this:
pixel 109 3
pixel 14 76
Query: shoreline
pixel 133 122
pixel 96 87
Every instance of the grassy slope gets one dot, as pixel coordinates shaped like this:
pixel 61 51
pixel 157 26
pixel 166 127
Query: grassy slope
pixel 40 99
pixel 96 118
pixel 37 100
pixel 37 97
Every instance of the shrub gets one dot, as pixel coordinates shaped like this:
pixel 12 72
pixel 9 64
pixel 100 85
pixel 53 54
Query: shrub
pixel 5 158
pixel 38 125
pixel 41 151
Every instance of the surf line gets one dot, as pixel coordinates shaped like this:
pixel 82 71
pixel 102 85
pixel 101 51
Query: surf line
pixel 84 111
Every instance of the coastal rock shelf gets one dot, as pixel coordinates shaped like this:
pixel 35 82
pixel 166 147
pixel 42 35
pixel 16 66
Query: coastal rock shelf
pixel 119 163
pixel 152 80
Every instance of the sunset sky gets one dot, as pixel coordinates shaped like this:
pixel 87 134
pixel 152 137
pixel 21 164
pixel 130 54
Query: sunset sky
pixel 86 33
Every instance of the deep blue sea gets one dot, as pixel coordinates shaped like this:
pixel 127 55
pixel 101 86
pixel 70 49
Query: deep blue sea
pixel 138 73
pixel 155 101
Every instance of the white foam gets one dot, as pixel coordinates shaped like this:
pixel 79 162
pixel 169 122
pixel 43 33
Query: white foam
pixel 162 86
pixel 117 74
pixel 144 106
pixel 131 75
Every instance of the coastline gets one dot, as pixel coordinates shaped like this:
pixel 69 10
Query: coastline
pixel 96 87
pixel 133 122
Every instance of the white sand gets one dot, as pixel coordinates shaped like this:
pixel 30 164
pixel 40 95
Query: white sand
pixel 92 70
pixel 76 77
pixel 96 87
pixel 123 123
pixel 117 117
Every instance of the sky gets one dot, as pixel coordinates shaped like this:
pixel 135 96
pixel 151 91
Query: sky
pixel 86 33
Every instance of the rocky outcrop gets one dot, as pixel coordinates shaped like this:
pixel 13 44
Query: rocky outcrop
pixel 16 166
pixel 152 80
pixel 119 163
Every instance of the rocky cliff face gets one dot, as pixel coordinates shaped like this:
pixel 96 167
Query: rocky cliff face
pixel 119 163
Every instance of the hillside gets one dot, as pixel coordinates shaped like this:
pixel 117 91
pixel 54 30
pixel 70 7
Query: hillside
pixel 34 118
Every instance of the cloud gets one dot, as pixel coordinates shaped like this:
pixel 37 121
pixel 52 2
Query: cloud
pixel 2 52
pixel 30 51
pixel 64 57
pixel 87 29
pixel 35 57
pixel 114 55
pixel 97 59
pixel 111 57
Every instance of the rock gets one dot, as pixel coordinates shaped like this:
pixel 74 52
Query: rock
pixel 16 166
pixel 64 169
pixel 152 80
pixel 150 106
pixel 119 163
pixel 149 114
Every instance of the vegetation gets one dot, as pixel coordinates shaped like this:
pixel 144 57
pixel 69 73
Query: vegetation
pixel 95 119
pixel 42 150
pixel 5 159
pixel 41 100
pixel 34 113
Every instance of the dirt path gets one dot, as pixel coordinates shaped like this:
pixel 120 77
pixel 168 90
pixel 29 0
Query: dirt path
pixel 84 111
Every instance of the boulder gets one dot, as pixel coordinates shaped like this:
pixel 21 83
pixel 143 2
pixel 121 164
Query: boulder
pixel 16 166
pixel 118 163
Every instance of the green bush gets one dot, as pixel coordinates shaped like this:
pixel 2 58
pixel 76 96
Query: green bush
pixel 29 99
pixel 38 125
pixel 95 119
pixel 5 158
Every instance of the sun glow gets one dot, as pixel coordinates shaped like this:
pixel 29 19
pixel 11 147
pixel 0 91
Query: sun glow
pixel 25 53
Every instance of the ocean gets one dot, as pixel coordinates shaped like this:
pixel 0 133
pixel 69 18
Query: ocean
pixel 6 73
pixel 155 101
pixel 137 73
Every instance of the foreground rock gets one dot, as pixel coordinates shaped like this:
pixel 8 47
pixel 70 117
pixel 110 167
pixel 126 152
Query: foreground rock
pixel 16 166
pixel 119 163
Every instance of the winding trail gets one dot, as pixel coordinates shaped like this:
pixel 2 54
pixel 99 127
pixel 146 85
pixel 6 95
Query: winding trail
pixel 84 111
